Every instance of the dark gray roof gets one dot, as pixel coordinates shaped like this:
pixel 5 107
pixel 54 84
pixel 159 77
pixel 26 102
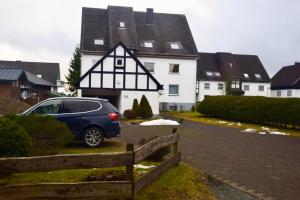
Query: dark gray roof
pixel 166 28
pixel 49 71
pixel 8 74
pixel 287 78
pixel 231 65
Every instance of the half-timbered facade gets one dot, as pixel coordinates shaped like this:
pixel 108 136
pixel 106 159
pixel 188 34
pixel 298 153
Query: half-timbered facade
pixel 160 58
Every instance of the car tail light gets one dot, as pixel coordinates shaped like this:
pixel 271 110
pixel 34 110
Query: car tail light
pixel 113 116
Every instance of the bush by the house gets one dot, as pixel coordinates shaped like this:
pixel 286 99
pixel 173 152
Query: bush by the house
pixel 48 135
pixel 129 114
pixel 14 140
pixel 193 109
pixel 263 110
pixel 10 105
pixel 145 110
pixel 160 154
pixel 135 106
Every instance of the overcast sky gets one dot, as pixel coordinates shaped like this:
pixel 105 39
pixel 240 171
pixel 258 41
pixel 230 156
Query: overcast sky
pixel 49 30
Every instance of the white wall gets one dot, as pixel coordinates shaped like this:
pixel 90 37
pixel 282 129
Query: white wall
pixel 127 98
pixel 186 79
pixel 253 89
pixel 212 91
pixel 87 62
pixel 295 93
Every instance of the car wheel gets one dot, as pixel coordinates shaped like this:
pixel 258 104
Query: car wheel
pixel 93 137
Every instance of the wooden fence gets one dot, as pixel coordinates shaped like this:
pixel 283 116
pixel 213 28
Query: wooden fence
pixel 94 189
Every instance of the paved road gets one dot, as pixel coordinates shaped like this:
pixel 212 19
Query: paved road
pixel 268 165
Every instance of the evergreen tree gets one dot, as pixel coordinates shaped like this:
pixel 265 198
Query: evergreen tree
pixel 74 70
pixel 145 110
pixel 135 106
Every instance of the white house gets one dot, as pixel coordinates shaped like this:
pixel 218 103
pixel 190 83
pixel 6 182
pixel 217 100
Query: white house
pixel 286 82
pixel 126 54
pixel 245 73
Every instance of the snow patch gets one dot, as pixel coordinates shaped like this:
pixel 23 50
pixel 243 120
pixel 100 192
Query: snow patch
pixel 143 166
pixel 222 122
pixel 249 130
pixel 278 133
pixel 159 122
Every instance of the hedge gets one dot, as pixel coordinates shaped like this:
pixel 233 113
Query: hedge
pixel 262 110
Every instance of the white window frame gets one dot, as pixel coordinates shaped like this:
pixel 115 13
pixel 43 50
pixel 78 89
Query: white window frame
pixel 206 86
pixel 220 88
pixel 149 63
pixel 236 84
pixel 175 45
pixel 209 74
pixel 171 66
pixel 261 86
pixel 289 93
pixel 174 94
pixel 148 44
pixel 248 87
pixel 217 74
pixel 119 65
pixel 122 24
pixel 99 41
pixel 257 76
pixel 278 93
pixel 39 75
pixel 246 76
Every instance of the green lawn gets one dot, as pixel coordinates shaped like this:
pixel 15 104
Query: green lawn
pixel 181 182
pixel 195 116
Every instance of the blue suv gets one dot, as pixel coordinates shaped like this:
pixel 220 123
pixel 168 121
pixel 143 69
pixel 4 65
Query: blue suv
pixel 90 119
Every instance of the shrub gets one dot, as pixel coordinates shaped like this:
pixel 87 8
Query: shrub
pixel 10 105
pixel 145 110
pixel 14 139
pixel 129 114
pixel 48 135
pixel 193 109
pixel 160 154
pixel 264 110
pixel 135 106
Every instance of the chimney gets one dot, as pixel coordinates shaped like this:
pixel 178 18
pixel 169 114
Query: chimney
pixel 149 16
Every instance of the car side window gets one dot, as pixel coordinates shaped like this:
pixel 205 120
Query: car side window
pixel 49 107
pixel 71 106
pixel 89 106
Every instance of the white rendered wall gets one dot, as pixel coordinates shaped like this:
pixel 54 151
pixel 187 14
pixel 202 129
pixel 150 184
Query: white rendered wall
pixel 212 91
pixel 253 89
pixel 87 62
pixel 295 93
pixel 186 79
pixel 127 98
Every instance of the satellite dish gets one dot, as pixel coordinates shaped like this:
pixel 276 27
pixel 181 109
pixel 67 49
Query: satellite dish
pixel 24 95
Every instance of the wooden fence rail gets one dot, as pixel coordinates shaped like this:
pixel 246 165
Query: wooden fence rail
pixel 86 190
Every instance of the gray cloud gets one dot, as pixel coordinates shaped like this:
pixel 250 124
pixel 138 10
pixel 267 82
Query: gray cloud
pixel 49 30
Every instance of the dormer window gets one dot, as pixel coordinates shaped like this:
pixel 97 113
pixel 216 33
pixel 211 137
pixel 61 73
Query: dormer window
pixel 122 25
pixel 99 42
pixel 235 84
pixel 246 76
pixel 175 45
pixel 148 44
pixel 257 76
pixel 39 75
pixel 209 73
pixel 217 74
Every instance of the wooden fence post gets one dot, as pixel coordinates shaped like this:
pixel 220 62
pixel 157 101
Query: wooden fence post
pixel 129 169
pixel 175 145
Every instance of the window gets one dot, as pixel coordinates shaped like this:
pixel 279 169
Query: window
pixel 230 64
pixel 174 68
pixel 149 66
pixel 49 107
pixel 261 88
pixel 122 25
pixel 74 106
pixel 246 76
pixel 175 45
pixel 220 86
pixel 99 42
pixel 289 93
pixel 279 93
pixel 86 106
pixel 209 73
pixel 148 44
pixel 235 84
pixel 217 74
pixel 246 87
pixel 39 75
pixel 257 76
pixel 174 89
pixel 119 62
pixel 206 86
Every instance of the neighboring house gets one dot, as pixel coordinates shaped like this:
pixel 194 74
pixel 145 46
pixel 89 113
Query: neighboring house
pixel 126 54
pixel 286 82
pixel 245 74
pixel 18 83
pixel 47 71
